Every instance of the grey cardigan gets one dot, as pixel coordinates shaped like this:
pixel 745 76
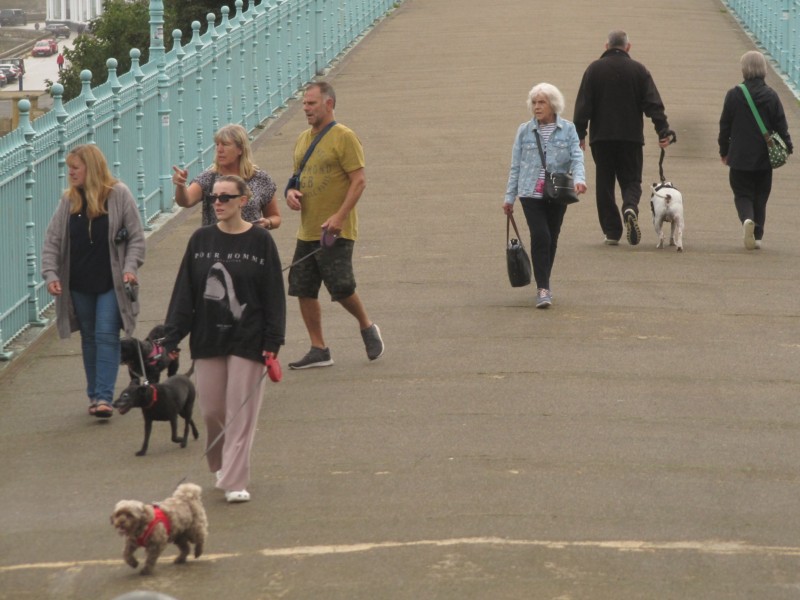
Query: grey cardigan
pixel 126 257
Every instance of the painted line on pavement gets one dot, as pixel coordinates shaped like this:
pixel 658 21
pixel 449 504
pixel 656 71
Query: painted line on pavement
pixel 713 547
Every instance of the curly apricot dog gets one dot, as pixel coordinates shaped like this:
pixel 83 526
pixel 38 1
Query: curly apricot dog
pixel 180 519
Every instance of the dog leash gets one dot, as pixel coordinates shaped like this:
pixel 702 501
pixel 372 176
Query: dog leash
pixel 326 241
pixel 663 153
pixel 225 427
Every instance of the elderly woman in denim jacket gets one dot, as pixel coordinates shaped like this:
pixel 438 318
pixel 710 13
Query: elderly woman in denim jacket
pixel 563 154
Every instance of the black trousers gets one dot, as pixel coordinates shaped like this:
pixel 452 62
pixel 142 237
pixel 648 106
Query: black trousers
pixel 544 222
pixel 616 162
pixel 751 191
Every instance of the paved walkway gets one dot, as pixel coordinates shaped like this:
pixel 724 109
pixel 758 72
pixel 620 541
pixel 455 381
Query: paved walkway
pixel 638 440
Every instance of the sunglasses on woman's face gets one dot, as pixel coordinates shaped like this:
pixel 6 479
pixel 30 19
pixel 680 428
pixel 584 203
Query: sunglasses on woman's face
pixel 224 198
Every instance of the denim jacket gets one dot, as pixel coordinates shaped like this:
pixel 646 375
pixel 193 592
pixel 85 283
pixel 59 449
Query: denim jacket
pixel 563 154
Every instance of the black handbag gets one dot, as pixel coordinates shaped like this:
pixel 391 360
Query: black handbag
pixel 558 187
pixel 518 263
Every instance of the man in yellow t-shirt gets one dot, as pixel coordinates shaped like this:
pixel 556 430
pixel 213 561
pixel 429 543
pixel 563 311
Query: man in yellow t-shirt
pixel 331 184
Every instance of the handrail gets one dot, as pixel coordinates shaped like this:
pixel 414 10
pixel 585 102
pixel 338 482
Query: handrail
pixel 242 69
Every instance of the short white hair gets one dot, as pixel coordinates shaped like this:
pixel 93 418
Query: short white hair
pixel 753 65
pixel 554 97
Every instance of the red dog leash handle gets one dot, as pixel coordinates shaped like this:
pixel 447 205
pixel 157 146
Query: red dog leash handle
pixel 273 367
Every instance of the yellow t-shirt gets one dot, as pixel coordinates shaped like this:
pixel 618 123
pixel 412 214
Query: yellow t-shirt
pixel 324 181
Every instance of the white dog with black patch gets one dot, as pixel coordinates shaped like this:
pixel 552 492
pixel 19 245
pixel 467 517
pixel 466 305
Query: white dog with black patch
pixel 666 203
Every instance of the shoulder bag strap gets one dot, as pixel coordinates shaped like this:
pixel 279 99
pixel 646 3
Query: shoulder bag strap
pixel 312 146
pixel 752 104
pixel 539 145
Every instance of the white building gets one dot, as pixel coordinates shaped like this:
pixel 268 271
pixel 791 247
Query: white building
pixel 73 11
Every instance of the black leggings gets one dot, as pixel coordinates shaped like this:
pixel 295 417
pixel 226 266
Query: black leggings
pixel 544 222
pixel 751 191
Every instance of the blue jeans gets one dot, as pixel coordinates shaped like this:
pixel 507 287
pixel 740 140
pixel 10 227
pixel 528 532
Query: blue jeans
pixel 100 324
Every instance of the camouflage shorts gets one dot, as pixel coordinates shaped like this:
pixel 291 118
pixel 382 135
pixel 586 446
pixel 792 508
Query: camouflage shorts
pixel 331 266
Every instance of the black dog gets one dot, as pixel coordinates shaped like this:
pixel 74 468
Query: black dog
pixel 134 352
pixel 161 402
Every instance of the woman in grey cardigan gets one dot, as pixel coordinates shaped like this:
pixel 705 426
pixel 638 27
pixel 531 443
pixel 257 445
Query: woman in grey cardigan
pixel 93 249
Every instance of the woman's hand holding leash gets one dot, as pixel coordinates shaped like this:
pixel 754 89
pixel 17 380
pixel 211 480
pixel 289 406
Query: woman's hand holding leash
pixel 273 366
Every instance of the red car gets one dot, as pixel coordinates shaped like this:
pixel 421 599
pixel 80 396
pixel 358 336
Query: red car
pixel 45 47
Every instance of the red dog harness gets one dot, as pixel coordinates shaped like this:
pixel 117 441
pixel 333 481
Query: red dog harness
pixel 159 517
pixel 154 401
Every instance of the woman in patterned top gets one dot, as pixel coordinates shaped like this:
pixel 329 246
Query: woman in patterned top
pixel 233 157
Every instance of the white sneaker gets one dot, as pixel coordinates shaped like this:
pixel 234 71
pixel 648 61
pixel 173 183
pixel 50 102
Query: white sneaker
pixel 237 496
pixel 749 227
pixel 758 244
pixel 610 242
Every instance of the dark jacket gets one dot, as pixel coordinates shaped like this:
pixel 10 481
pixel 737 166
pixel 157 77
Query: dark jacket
pixel 740 138
pixel 614 93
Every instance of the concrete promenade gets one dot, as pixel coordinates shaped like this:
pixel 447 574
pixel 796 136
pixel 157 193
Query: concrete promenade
pixel 637 440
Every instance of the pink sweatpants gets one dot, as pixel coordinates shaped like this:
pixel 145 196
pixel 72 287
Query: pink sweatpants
pixel 223 385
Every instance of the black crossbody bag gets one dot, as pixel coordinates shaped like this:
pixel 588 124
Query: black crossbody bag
pixel 294 180
pixel 558 187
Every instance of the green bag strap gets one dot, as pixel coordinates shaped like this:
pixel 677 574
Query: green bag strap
pixel 754 109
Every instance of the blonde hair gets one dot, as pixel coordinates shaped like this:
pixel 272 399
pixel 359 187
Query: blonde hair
pixel 97 185
pixel 236 134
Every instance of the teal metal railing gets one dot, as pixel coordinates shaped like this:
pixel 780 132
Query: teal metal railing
pixel 240 70
pixel 775 26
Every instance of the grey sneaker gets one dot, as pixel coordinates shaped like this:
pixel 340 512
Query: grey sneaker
pixel 632 225
pixel 373 341
pixel 316 357
pixel 610 241
pixel 543 298
pixel 749 228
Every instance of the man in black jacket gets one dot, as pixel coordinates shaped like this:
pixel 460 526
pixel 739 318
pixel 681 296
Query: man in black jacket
pixel 614 93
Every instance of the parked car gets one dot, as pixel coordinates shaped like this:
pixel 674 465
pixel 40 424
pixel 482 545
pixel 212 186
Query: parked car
pixel 45 47
pixel 10 71
pixel 17 62
pixel 58 30
pixel 13 16
pixel 3 80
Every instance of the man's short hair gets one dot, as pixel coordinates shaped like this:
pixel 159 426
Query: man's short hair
pixel 325 90
pixel 618 39
pixel 753 65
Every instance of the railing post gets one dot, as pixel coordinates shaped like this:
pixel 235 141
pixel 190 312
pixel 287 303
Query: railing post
pixel 138 76
pixel 180 53
pixel 158 55
pixel 257 10
pixel 198 82
pixel 61 119
pixel 214 68
pixel 111 65
pixel 319 24
pixel 30 255
pixel 226 25
pixel 89 99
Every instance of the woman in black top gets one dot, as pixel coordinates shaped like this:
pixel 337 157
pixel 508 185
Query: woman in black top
pixel 229 297
pixel 743 148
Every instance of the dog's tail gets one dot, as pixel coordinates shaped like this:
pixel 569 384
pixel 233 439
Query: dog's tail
pixel 188 491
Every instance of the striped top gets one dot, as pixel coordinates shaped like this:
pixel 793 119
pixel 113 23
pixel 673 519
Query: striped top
pixel 544 133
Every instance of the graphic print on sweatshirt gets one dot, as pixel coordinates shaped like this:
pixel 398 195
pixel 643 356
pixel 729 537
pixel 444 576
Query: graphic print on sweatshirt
pixel 220 290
